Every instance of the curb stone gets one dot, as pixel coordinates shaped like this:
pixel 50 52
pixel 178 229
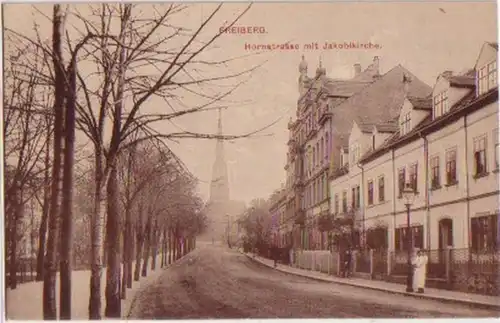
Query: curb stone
pixel 444 299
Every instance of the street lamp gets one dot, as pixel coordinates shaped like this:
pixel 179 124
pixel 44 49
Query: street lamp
pixel 409 197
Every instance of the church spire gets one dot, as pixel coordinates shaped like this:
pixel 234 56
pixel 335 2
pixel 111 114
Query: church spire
pixel 219 188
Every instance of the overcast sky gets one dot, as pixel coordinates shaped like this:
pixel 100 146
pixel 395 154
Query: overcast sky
pixel 426 38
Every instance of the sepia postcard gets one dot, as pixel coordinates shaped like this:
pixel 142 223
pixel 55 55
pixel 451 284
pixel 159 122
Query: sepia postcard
pixel 264 160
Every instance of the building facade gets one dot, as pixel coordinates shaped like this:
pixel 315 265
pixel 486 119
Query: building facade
pixel 310 150
pixel 445 145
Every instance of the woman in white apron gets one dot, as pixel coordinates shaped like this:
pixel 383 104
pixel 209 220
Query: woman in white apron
pixel 419 271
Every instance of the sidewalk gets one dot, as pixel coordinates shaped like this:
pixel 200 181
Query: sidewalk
pixel 483 301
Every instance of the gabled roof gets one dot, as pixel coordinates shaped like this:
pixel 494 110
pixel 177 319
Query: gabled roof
pixel 378 102
pixel 493 45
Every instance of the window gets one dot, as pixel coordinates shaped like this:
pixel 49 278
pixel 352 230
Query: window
pixel 353 198
pixel 358 199
pixel 495 141
pixel 344 201
pixel 406 123
pixel 401 181
pixel 480 155
pixel 325 186
pixel 354 154
pixel 373 142
pixel 376 238
pixel 313 157
pixel 487 77
pixel 451 167
pixel 355 203
pixel 370 192
pixel 315 199
pixel 414 176
pixel 435 181
pixel 441 105
pixel 381 189
pixel 401 237
pixel 327 148
pixel 484 232
pixel 317 154
pixel 336 204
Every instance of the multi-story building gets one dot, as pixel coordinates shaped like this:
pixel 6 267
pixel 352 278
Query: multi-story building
pixel 311 146
pixel 277 210
pixel 365 121
pixel 446 147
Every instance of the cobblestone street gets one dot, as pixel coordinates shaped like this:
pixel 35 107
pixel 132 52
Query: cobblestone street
pixel 214 282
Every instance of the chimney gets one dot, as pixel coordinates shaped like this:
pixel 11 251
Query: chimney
pixel 357 69
pixel 376 65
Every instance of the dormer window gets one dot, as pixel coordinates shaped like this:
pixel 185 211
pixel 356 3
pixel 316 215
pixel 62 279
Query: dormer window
pixel 487 77
pixel 441 105
pixel 405 126
pixel 354 154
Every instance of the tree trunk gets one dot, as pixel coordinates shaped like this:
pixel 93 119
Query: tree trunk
pixel 49 282
pixel 42 233
pixel 147 247
pixel 113 302
pixel 130 257
pixel 163 248
pixel 123 292
pixel 96 237
pixel 170 246
pixel 13 237
pixel 139 244
pixel 178 251
pixel 67 198
pixel 155 245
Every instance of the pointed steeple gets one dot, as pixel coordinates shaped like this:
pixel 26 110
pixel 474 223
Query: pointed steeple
pixel 219 187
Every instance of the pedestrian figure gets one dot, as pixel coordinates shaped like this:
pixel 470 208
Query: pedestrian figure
pixel 274 255
pixel 419 271
pixel 347 263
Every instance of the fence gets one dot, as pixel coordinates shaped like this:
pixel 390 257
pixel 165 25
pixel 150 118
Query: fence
pixel 363 261
pixel 454 269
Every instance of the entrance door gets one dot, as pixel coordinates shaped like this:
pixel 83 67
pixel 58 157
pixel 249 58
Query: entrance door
pixel 445 242
pixel 445 234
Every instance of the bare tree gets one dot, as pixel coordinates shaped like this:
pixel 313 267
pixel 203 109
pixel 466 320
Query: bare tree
pixel 118 41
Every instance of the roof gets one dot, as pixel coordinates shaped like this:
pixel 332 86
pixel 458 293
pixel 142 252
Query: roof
pixel 344 88
pixel 462 81
pixel 390 127
pixel 421 103
pixel 366 127
pixel 378 102
pixel 428 124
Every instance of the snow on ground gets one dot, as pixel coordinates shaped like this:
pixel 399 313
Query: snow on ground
pixel 25 302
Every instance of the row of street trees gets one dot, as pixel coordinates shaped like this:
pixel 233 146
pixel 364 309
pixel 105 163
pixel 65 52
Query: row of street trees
pixel 124 195
pixel 256 222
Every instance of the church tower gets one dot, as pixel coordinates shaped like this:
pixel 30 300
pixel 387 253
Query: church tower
pixel 219 187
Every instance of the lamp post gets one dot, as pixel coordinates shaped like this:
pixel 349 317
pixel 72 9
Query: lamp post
pixel 409 196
